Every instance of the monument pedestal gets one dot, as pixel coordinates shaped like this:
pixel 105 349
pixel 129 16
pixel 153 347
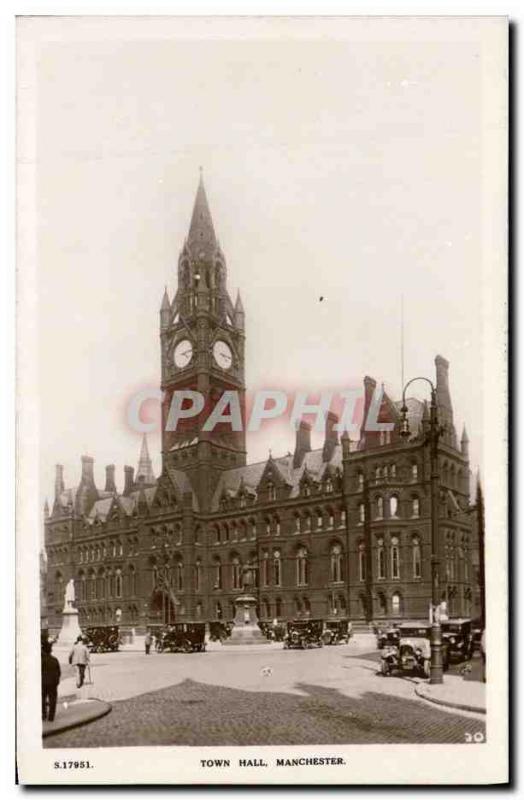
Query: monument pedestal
pixel 70 630
pixel 246 630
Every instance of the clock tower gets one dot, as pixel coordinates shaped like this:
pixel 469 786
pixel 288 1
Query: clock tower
pixel 202 343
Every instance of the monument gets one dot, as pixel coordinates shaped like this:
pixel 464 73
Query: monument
pixel 246 630
pixel 70 629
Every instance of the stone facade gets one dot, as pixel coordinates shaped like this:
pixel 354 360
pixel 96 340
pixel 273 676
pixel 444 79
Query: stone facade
pixel 340 531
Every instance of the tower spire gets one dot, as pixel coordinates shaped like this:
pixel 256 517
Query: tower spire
pixel 201 237
pixel 145 467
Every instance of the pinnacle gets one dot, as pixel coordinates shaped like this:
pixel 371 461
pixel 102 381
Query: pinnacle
pixel 201 237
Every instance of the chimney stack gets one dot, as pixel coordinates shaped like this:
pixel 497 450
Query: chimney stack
pixel 110 478
pixel 87 469
pixel 303 442
pixel 331 439
pixel 128 479
pixel 59 480
pixel 445 409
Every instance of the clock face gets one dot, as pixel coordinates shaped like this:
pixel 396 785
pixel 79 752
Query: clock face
pixel 222 355
pixel 183 353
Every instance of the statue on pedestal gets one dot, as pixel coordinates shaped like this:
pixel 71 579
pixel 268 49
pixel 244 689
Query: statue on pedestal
pixel 69 596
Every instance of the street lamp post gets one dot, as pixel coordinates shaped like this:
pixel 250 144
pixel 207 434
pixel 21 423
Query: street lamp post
pixel 433 436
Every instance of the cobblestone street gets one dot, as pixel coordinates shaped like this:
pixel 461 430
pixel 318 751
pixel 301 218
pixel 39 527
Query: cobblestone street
pixel 325 696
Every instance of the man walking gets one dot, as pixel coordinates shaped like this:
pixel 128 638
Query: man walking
pixel 50 681
pixel 79 658
pixel 147 641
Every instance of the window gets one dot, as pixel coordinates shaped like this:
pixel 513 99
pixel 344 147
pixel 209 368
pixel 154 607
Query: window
pixel 307 522
pixel 253 525
pixel 268 526
pixel 302 567
pixel 331 519
pixel 297 523
pixel 217 534
pixel 132 581
pixel 378 473
pixel 414 472
pixel 198 575
pixel 336 563
pixel 393 506
pixel 179 575
pixel 276 523
pixel 118 583
pixel 265 568
pixel 360 481
pixel 393 470
pixel 329 486
pixel 271 491
pixel 320 520
pixel 278 607
pixel 236 573
pixel 306 490
pixel 243 530
pixel 381 560
pixel 343 518
pixel 380 507
pixel 395 558
pixel 225 530
pixel 415 507
pixel 217 569
pixel 277 568
pixel 417 565
pixel 361 513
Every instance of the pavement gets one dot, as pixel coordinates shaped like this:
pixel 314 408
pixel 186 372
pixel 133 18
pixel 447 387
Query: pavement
pixel 71 713
pixel 455 693
pixel 263 695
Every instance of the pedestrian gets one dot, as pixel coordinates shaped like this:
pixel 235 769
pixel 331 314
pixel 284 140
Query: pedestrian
pixel 50 681
pixel 147 641
pixel 79 658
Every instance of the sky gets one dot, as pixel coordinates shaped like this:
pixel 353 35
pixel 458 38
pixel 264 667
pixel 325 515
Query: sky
pixel 340 161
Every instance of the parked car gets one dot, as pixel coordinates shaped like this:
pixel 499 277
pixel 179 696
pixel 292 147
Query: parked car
pixel 477 629
pixel 183 637
pixel 413 652
pixel 387 636
pixel 337 631
pixel 304 633
pixel 458 635
pixel 103 638
pixel 219 631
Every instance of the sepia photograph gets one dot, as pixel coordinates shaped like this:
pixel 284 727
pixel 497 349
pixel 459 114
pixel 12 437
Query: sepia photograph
pixel 262 337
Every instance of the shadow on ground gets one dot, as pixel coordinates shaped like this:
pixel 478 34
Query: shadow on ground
pixel 198 714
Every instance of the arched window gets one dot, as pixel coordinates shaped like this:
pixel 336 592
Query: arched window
pixel 378 473
pixel 243 529
pixel 217 570
pixel 395 558
pixel 267 608
pixel 297 523
pixel 417 561
pixel 320 519
pixel 415 507
pixel 393 506
pixel 336 563
pixel 265 568
pixel 306 489
pixel 329 486
pixel 381 560
pixel 360 481
pixel 236 573
pixel 217 534
pixel 307 522
pixel 395 604
pixel 82 586
pixel 414 471
pixel 380 507
pixel 393 470
pixel 277 568
pixel 302 567
pixel 234 531
pixel 276 525
pixel 267 522
pixel 362 562
pixel 198 575
pixel 382 603
pixel 271 491
pixel 253 527
pixel 331 519
pixel 225 530
pixel 131 581
pixel 343 518
pixel 361 513
pixel 101 584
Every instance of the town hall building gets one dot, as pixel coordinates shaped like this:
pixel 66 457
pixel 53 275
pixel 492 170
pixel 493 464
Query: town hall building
pixel 342 531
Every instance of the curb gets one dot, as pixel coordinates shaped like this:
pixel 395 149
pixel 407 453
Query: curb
pixel 421 691
pixel 95 709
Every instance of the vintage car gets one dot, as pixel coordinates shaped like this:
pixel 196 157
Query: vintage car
pixel 103 638
pixel 337 631
pixel 218 630
pixel 304 633
pixel 458 635
pixel 413 652
pixel 476 634
pixel 183 637
pixel 387 636
pixel 275 632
